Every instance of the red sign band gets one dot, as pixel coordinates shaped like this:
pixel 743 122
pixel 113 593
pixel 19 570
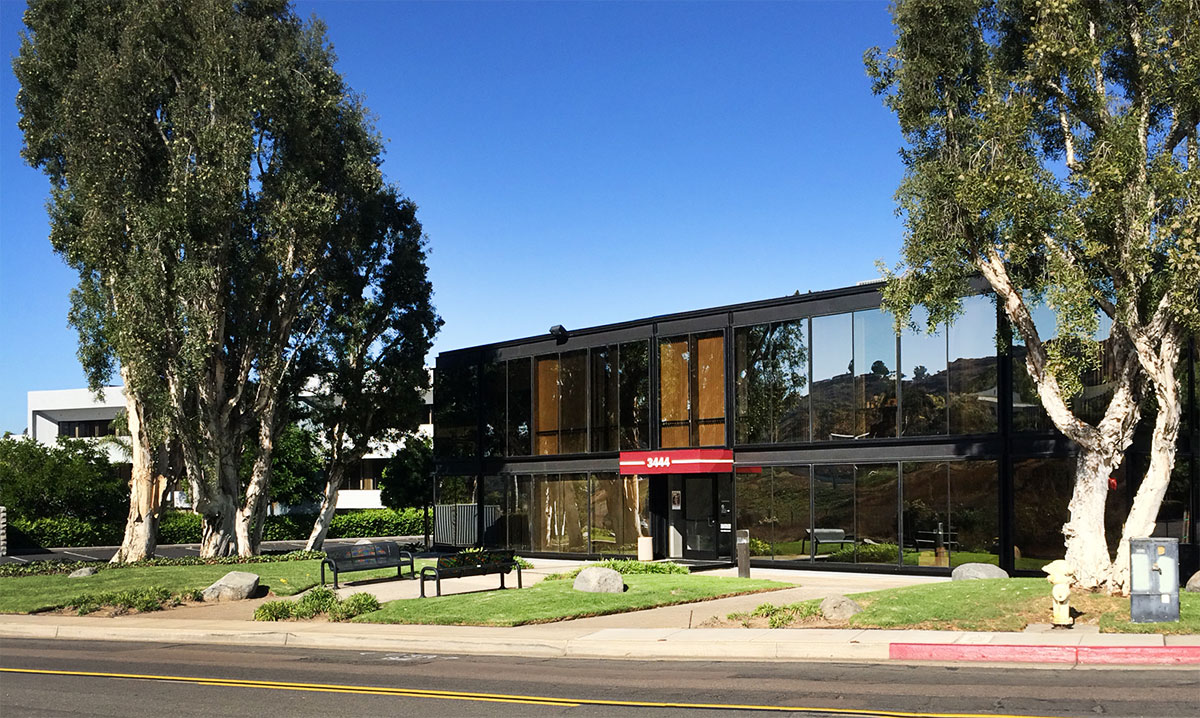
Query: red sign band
pixel 677 461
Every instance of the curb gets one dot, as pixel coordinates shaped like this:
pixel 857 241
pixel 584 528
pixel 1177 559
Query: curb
pixel 1070 655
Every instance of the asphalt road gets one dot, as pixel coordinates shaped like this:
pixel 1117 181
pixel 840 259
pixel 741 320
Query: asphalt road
pixel 104 553
pixel 43 678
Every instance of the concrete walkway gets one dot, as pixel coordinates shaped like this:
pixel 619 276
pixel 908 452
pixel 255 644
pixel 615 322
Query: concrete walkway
pixel 660 633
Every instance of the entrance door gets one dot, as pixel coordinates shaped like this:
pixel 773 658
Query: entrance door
pixel 699 517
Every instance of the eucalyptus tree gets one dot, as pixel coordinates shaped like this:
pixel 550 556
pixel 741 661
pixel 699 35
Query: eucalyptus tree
pixel 200 155
pixel 375 326
pixel 1051 147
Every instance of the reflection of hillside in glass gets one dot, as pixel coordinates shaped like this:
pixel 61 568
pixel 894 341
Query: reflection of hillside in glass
pixel 1089 404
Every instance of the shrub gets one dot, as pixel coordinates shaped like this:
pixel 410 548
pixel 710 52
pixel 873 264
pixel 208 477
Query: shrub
pixel 48 568
pixel 288 527
pixel 758 547
pixel 626 567
pixel 70 479
pixel 315 602
pixel 63 531
pixel 179 527
pixel 866 553
pixel 376 522
pixel 150 598
pixel 273 611
pixel 356 605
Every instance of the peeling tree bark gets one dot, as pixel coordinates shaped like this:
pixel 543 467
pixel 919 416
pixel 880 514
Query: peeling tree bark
pixel 148 487
pixel 333 483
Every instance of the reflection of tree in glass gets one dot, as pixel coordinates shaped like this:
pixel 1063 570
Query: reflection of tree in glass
pixel 772 383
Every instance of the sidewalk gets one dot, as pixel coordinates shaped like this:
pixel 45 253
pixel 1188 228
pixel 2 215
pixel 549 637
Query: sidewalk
pixel 660 633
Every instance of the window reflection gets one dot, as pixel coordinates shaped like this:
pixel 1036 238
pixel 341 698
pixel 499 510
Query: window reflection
pixel 520 401
pixel 634 396
pixel 832 377
pixel 875 524
pixel 1041 490
pixel 692 391
pixel 771 382
pixel 972 367
pixel 875 375
pixel 923 378
pixel 974 512
pixel 791 513
pixel 572 402
pixel 833 513
pixel 928 533
pixel 545 398
pixel 455 426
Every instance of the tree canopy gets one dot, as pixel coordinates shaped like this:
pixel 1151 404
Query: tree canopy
pixel 1052 148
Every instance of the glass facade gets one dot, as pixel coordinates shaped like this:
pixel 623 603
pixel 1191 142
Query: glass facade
pixel 853 444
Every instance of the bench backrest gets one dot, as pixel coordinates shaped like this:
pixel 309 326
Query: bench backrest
pixel 475 558
pixel 363 555
pixel 827 534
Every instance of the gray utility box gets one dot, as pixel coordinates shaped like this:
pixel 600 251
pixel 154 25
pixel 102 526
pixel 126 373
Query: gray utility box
pixel 1153 580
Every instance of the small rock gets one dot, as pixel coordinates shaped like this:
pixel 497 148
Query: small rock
pixel 596 579
pixel 83 572
pixel 233 586
pixel 1193 584
pixel 970 571
pixel 839 608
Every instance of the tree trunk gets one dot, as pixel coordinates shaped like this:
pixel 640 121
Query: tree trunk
pixel 218 531
pixel 333 482
pixel 148 488
pixel 249 520
pixel 1086 543
pixel 1148 499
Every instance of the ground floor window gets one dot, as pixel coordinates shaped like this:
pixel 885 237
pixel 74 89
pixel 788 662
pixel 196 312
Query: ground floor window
pixel 914 513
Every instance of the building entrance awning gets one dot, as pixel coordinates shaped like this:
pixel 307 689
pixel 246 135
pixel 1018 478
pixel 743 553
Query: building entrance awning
pixel 677 461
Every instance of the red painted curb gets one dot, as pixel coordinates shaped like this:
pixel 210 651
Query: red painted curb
pixel 1144 655
pixel 1176 655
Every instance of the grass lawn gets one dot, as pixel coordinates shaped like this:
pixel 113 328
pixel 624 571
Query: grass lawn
pixel 27 594
pixel 987 605
pixel 556 600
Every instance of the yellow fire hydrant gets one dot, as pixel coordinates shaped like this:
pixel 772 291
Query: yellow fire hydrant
pixel 1059 573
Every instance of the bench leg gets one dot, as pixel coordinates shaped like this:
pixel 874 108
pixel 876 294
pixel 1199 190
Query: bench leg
pixel 322 574
pixel 519 576
pixel 422 586
pixel 502 580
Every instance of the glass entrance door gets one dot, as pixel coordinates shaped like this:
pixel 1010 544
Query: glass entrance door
pixel 699 517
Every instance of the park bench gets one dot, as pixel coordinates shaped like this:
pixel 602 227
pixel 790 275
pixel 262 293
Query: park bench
pixel 820 536
pixel 365 556
pixel 470 563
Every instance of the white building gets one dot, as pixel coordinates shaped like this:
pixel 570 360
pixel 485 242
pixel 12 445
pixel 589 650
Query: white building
pixel 79 414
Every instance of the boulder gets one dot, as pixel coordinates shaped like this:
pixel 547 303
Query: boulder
pixel 970 571
pixel 1193 584
pixel 233 586
pixel 596 579
pixel 839 608
pixel 83 572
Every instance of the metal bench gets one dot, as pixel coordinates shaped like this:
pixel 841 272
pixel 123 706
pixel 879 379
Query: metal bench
pixel 820 536
pixel 365 556
pixel 470 563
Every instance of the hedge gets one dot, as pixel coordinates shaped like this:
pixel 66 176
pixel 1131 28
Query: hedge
pixel 62 531
pixel 184 527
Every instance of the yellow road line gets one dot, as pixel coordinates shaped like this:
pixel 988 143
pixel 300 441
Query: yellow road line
pixel 496 697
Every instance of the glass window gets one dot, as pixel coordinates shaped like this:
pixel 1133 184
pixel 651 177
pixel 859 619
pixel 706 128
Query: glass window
pixel 832 349
pixel 754 510
pixel 545 399
pixel 972 367
pixel 923 378
pixel 692 390
pixel 674 390
pixel 494 395
pixel 455 427
pixel 771 382
pixel 604 398
pixel 495 516
pixel 1041 491
pixel 572 402
pixel 928 535
pixel 455 490
pixel 620 514
pixel 875 375
pixel 520 405
pixel 833 513
pixel 974 512
pixel 1098 383
pixel 559 513
pixel 520 501
pixel 1028 414
pixel 710 389
pixel 634 397
pixel 875 497
pixel 791 510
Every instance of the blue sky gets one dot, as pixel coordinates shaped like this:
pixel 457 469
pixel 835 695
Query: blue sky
pixel 574 163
